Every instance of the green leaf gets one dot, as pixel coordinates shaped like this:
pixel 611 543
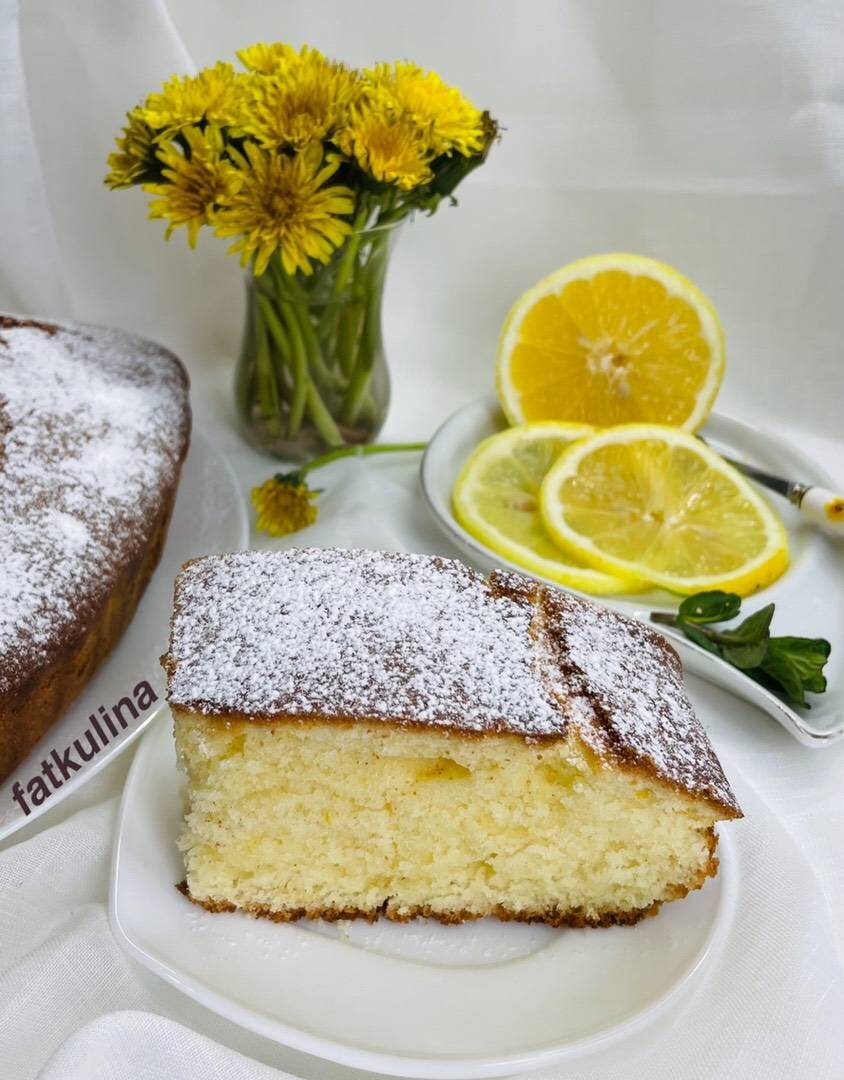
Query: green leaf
pixel 450 170
pixel 805 657
pixel 759 675
pixel 745 656
pixel 710 607
pixel 792 666
pixel 784 671
pixel 789 666
pixel 753 629
pixel 698 636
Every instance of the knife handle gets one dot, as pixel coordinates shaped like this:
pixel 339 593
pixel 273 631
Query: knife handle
pixel 824 508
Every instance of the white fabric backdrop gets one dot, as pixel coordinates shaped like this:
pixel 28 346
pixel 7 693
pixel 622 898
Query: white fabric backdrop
pixel 710 135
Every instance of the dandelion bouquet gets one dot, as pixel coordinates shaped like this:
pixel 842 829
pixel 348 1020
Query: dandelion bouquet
pixel 309 165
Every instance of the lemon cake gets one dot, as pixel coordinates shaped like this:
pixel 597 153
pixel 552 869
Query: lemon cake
pixel 367 734
pixel 94 428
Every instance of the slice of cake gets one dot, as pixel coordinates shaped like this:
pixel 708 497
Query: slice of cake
pixel 370 734
pixel 94 427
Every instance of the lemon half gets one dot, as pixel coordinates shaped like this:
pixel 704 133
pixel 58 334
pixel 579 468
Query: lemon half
pixel 611 339
pixel 496 499
pixel 649 501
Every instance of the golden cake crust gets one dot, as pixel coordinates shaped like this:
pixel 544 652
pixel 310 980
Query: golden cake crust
pixel 94 428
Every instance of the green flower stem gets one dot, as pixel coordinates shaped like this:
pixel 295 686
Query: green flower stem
pixel 297 398
pixel 305 392
pixel 360 451
pixel 288 290
pixel 356 394
pixel 347 261
pixel 368 411
pixel 327 379
pixel 268 394
pixel 312 343
pixel 345 269
pixel 369 335
pixel 347 335
pixel 388 211
pixel 267 389
pixel 322 418
pixel 299 358
pixel 292 347
pixel 282 362
pixel 246 368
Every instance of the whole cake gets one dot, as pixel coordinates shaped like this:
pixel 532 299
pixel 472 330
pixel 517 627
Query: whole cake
pixel 94 427
pixel 370 734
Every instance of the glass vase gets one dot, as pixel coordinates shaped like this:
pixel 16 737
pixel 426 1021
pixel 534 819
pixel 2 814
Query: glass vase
pixel 312 374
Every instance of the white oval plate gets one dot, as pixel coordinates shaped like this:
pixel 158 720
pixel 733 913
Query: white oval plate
pixel 209 516
pixel 416 999
pixel 807 596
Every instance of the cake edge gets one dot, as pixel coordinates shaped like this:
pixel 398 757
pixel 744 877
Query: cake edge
pixel 574 918
pixel 37 705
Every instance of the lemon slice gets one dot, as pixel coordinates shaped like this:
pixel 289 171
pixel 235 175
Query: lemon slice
pixel 611 339
pixel 653 502
pixel 496 500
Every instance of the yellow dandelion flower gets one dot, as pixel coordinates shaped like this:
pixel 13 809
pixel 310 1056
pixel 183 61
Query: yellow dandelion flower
pixel 303 102
pixel 450 121
pixel 264 59
pixel 193 182
pixel 283 204
pixel 388 147
pixel 135 153
pixel 213 95
pixel 285 504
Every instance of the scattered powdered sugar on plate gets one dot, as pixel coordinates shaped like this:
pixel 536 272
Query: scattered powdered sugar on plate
pixel 425 640
pixel 93 425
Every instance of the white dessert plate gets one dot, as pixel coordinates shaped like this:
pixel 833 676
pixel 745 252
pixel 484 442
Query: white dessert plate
pixel 807 596
pixel 209 516
pixel 415 999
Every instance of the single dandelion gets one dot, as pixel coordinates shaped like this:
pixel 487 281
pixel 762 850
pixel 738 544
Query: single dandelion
pixel 193 181
pixel 264 59
pixel 387 146
pixel 303 100
pixel 285 503
pixel 134 160
pixel 446 119
pixel 214 96
pixel 284 203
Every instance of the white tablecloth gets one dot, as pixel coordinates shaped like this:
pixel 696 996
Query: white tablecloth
pixel 709 135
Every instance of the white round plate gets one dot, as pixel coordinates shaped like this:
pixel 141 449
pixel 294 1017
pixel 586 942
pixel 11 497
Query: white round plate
pixel 209 516
pixel 807 596
pixel 415 999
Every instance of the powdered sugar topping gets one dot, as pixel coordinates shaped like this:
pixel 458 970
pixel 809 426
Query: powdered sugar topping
pixel 336 633
pixel 93 423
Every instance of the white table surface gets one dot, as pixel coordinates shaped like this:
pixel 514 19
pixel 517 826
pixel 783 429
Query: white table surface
pixel 707 138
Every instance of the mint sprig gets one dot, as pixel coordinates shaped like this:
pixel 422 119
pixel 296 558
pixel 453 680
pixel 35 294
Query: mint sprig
pixel 790 666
